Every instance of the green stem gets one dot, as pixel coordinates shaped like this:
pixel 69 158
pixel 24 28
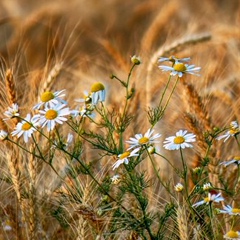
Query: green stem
pixel 164 91
pixel 174 86
pixel 185 172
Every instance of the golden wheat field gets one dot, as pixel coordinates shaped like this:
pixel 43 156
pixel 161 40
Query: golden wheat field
pixel 108 131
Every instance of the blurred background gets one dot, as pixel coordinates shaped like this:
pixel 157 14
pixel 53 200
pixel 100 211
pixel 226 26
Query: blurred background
pixel 70 44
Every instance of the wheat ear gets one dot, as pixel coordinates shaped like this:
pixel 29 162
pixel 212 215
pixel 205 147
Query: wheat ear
pixel 10 85
pixel 52 76
pixel 182 222
pixel 13 166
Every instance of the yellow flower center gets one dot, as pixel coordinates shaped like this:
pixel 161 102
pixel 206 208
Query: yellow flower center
pixel 124 155
pixel 236 210
pixel 180 67
pixel 143 140
pixel 26 126
pixel 207 199
pixel 233 131
pixel 232 234
pixel 51 114
pixel 179 140
pixel 47 96
pixel 97 87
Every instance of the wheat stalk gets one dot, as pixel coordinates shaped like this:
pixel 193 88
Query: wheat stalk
pixel 32 169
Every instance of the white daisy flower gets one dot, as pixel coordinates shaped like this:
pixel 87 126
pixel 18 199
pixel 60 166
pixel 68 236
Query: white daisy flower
pixel 207 186
pixel 174 59
pixel 180 69
pixel 178 187
pixel 235 160
pixel 98 93
pixel 232 235
pixel 233 131
pixel 124 158
pixel 143 140
pixel 3 135
pixel 51 116
pixel 12 111
pixel 229 210
pixel 181 140
pixel 115 179
pixel 26 128
pixel 209 199
pixel 50 99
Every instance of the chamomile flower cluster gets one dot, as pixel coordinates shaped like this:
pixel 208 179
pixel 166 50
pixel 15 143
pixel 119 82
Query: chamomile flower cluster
pixel 50 99
pixel 90 100
pixel 235 235
pixel 235 160
pixel 11 112
pixel 233 130
pixel 146 142
pixel 211 198
pixel 179 67
pixel 124 157
pixel 26 128
pixel 141 140
pixel 181 140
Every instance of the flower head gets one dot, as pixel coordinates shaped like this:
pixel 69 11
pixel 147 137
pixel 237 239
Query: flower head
pixel 51 116
pixel 115 179
pixel 207 186
pixel 98 93
pixel 179 187
pixel 196 170
pixel 143 140
pixel 233 130
pixel 181 140
pixel 235 160
pixel 209 199
pixel 26 128
pixel 11 112
pixel 124 158
pixel 232 235
pixel 3 135
pixel 231 211
pixel 50 99
pixel 136 60
pixel 180 68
